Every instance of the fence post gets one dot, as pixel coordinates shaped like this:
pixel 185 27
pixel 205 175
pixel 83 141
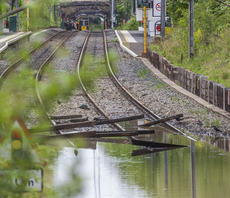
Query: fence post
pixel 213 93
pixel 224 88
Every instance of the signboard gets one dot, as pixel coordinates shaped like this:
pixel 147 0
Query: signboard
pixel 157 8
pixel 139 14
pixel 33 183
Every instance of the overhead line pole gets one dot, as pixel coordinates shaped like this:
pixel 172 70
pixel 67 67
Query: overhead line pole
pixel 163 20
pixel 191 28
pixel 112 11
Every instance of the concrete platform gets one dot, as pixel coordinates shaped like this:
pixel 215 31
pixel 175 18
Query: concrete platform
pixel 7 38
pixel 133 40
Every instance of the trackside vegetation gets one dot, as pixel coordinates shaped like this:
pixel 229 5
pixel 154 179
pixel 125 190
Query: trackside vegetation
pixel 211 38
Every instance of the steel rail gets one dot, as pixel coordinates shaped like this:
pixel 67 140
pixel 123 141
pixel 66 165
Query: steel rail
pixel 7 71
pixel 38 77
pixel 96 106
pixel 138 104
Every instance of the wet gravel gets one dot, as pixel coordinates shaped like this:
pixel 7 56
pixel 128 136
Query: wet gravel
pixel 139 81
pixel 164 101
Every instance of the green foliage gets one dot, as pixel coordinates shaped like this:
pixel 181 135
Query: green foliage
pixel 143 73
pixel 95 20
pixel 95 24
pixel 131 24
pixel 96 27
pixel 18 98
pixel 123 9
pixel 41 15
pixel 211 41
pixel 176 9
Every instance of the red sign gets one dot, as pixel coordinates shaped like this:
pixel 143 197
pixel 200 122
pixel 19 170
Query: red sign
pixel 158 6
pixel 158 28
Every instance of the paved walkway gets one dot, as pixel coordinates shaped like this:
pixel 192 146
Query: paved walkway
pixel 133 44
pixel 133 40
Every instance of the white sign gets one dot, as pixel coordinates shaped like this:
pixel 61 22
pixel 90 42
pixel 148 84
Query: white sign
pixel 157 8
pixel 34 182
pixel 139 14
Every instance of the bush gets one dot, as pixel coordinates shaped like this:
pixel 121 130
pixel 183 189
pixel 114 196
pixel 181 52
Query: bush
pixel 131 24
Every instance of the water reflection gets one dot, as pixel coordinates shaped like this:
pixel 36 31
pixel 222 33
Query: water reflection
pixel 201 170
pixel 193 168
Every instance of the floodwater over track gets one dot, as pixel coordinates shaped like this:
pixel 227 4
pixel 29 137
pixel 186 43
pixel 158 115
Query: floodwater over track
pixel 199 170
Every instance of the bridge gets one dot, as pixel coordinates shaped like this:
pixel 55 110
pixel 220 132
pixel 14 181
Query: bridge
pixel 74 9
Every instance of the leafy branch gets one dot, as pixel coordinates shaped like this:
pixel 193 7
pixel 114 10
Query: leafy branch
pixel 223 3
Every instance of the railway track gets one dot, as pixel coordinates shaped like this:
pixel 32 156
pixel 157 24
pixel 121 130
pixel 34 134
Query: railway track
pixel 132 99
pixel 65 118
pixel 102 58
pixel 38 54
pixel 149 114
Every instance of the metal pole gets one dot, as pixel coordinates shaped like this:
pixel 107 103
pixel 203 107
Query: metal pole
pixel 132 8
pixel 145 29
pixel 27 23
pixel 191 27
pixel 136 6
pixel 17 15
pixel 162 19
pixel 112 11
pixel 125 11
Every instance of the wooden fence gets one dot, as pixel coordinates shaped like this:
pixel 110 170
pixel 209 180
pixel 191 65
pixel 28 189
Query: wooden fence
pixel 197 84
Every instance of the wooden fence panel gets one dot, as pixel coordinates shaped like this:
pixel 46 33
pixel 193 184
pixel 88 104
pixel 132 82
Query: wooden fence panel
pixel 202 88
pixel 210 91
pixel 211 94
pixel 197 85
pixel 220 96
pixel 174 73
pixel 206 89
pixel 227 99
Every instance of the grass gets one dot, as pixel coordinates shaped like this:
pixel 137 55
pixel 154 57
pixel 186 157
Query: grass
pixel 143 73
pixel 210 59
pixel 96 27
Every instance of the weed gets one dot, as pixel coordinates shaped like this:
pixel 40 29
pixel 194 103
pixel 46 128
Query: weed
pixel 175 98
pixel 143 73
pixel 225 75
pixel 216 122
pixel 211 57
pixel 208 124
pixel 114 40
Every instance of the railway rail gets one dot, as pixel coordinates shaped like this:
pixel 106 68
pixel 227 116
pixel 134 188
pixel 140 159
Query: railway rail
pixel 17 63
pixel 133 100
pixel 134 140
pixel 93 134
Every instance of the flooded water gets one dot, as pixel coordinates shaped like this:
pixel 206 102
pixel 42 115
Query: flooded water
pixel 199 170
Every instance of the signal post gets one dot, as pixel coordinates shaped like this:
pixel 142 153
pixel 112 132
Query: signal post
pixel 144 3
